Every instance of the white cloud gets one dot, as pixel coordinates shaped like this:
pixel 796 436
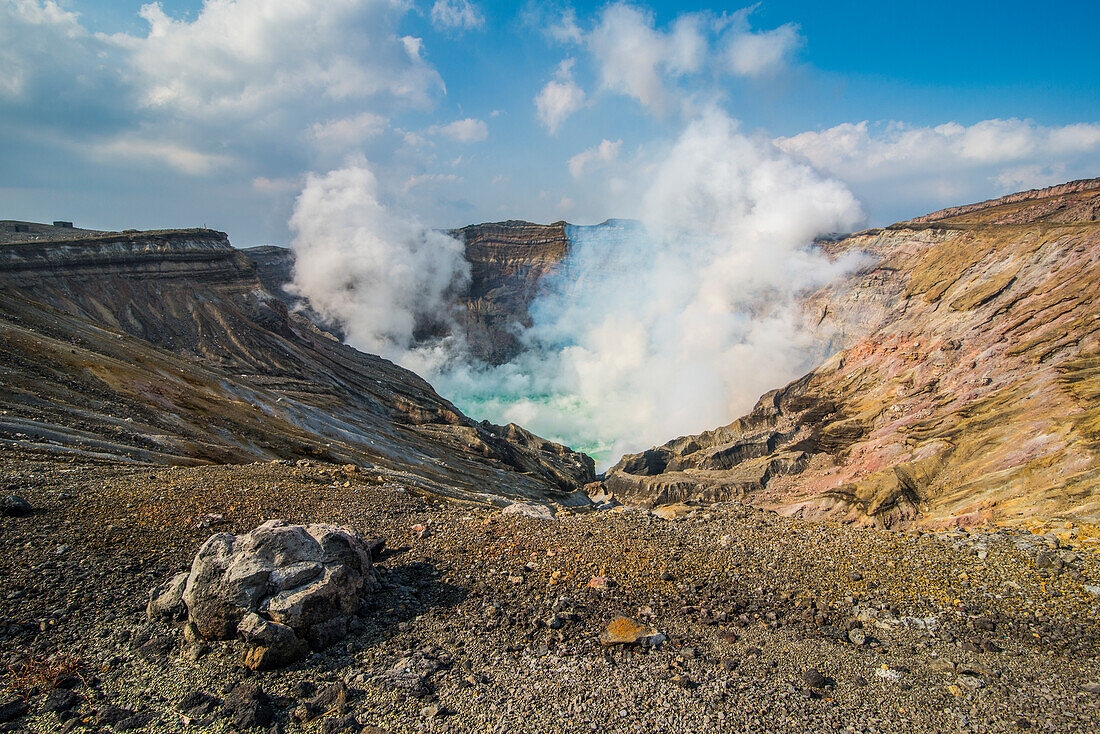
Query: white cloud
pixel 469 130
pixel 633 55
pixel 757 54
pixel 560 98
pixel 933 166
pixel 605 152
pixel 657 66
pixel 232 82
pixel 565 29
pixel 159 152
pixel 348 131
pixel 430 178
pixel 865 151
pixel 23 55
pixel 457 15
pixel 240 59
pixel 275 185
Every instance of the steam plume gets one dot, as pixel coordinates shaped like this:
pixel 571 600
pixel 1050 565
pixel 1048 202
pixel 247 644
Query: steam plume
pixel 648 331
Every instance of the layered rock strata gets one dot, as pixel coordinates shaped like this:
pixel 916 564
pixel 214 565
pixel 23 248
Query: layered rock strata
pixel 965 388
pixel 165 346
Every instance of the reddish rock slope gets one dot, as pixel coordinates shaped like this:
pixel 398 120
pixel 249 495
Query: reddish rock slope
pixel 965 387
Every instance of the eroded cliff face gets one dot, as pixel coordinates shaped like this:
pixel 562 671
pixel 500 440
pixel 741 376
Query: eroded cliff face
pixel 965 387
pixel 507 260
pixel 166 347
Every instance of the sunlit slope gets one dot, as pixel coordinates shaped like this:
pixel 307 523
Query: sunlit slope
pixel 968 387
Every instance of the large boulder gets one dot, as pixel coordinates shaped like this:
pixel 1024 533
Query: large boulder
pixel 281 588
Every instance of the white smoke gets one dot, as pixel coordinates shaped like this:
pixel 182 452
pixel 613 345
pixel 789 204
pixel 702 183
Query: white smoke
pixel 650 333
pixel 647 332
pixel 378 274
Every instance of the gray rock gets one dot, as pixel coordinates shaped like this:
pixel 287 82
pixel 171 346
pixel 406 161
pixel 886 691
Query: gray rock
pixel 199 705
pixel 291 582
pixel 528 509
pixel 273 645
pixel 814 678
pixel 166 601
pixel 12 710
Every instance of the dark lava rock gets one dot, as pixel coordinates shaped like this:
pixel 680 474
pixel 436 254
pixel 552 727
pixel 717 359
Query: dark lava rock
pixel 60 700
pixel 333 697
pixel 248 706
pixel 156 649
pixel 15 506
pixel 199 705
pixel 137 721
pixel 814 678
pixel 112 715
pixel 12 710
pixel 340 724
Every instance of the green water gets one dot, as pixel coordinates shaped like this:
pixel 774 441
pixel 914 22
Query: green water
pixel 565 419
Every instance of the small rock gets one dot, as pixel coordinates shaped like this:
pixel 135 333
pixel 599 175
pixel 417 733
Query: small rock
pixel 198 705
pixel 156 649
pixel 814 678
pixel 855 576
pixel 340 725
pixel 248 706
pixel 12 710
pixel 274 645
pixel 528 509
pixel 625 631
pixel 942 665
pixel 857 636
pixel 113 715
pixel 600 583
pixel 60 700
pixel 1091 687
pixel 15 506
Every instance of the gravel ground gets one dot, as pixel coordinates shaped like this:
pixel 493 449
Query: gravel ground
pixel 491 623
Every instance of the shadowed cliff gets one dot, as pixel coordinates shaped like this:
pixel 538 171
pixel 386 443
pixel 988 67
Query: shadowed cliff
pixel 166 347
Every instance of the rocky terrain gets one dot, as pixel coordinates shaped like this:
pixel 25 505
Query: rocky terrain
pixel 166 347
pixel 215 517
pixel 964 388
pixel 742 619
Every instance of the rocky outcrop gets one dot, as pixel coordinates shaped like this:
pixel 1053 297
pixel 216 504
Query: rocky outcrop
pixel 965 386
pixel 1076 201
pixel 166 347
pixel 278 588
pixel 507 260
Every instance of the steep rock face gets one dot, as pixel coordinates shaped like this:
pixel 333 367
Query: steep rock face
pixel 165 346
pixel 507 260
pixel 967 388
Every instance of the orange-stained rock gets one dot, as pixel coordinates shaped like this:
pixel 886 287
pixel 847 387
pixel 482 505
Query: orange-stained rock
pixel 959 384
pixel 625 631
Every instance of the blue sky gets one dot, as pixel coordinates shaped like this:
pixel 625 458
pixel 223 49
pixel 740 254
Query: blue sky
pixel 216 113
